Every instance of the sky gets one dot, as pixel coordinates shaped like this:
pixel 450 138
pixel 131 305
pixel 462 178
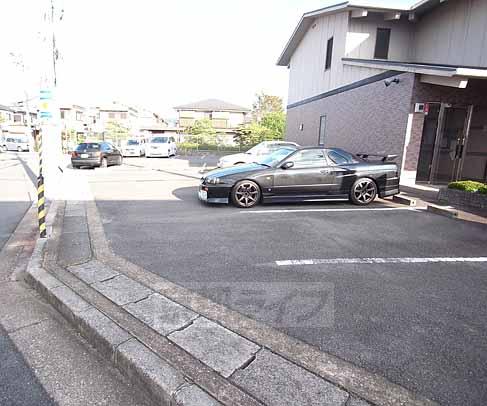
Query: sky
pixel 154 53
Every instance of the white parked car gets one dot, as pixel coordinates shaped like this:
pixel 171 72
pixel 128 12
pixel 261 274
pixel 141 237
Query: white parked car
pixel 134 147
pixel 16 144
pixel 264 148
pixel 161 146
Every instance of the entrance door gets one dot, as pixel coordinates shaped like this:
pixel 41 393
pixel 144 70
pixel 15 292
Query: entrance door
pixel 450 143
pixel 427 149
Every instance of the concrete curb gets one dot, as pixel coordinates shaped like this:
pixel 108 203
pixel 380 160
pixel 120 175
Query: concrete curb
pixel 445 211
pixel 179 365
pixel 407 201
pixel 163 383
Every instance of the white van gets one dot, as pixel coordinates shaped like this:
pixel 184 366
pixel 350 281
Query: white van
pixel 134 147
pixel 161 146
pixel 16 143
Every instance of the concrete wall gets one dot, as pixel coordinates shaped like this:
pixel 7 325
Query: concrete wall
pixel 371 118
pixel 454 33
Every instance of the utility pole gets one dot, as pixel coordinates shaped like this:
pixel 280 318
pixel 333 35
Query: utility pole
pixel 20 63
pixel 50 129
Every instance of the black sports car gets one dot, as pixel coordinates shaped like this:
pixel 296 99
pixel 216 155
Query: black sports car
pixel 306 174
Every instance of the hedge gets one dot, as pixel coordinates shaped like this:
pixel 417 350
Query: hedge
pixel 469 186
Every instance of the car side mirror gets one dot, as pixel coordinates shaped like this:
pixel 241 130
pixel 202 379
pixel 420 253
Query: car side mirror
pixel 287 165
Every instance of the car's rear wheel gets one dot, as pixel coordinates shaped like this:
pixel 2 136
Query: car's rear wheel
pixel 120 161
pixel 364 191
pixel 246 194
pixel 104 163
pixel 19 149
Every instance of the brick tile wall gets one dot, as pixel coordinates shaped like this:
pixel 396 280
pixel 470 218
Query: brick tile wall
pixel 371 118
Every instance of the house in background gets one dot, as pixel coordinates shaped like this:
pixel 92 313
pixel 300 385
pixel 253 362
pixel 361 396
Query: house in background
pixel 121 114
pixel 73 117
pixel 15 121
pixel 6 115
pixel 411 82
pixel 225 117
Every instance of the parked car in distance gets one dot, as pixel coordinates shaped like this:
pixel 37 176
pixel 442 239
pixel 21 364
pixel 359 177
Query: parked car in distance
pixel 16 143
pixel 134 147
pixel 259 150
pixel 96 154
pixel 306 174
pixel 161 146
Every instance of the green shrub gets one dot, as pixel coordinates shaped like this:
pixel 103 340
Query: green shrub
pixel 468 186
pixel 193 146
pixel 483 190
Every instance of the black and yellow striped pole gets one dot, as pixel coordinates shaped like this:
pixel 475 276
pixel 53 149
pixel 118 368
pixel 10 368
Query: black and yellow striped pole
pixel 41 201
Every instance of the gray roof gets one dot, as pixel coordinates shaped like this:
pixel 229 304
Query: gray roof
pixel 212 105
pixel 307 19
pixel 6 108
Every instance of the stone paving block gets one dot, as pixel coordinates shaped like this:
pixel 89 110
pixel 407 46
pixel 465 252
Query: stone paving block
pixel 102 332
pixel 161 314
pixel 140 364
pixel 74 248
pixel 93 271
pixel 278 382
pixel 75 211
pixel 214 345
pixel 122 290
pixel 191 395
pixel 77 224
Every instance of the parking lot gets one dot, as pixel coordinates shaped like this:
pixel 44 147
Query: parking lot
pixel 403 290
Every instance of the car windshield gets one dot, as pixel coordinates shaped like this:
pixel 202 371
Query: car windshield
pixel 275 157
pixel 159 140
pixel 88 146
pixel 132 142
pixel 263 148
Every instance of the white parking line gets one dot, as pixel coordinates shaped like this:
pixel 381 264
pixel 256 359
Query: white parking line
pixel 335 261
pixel 331 210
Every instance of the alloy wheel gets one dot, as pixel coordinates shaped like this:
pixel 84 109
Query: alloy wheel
pixel 247 194
pixel 364 191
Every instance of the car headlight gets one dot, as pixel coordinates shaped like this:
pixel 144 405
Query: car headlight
pixel 214 181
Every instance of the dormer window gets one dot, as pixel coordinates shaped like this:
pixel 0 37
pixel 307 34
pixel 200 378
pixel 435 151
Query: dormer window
pixel 382 43
pixel 329 53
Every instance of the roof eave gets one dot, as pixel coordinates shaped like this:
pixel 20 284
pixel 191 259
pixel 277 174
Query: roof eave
pixel 303 25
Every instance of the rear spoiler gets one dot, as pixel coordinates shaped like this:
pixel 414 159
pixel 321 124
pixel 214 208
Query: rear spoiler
pixel 383 158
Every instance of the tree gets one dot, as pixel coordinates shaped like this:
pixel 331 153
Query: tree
pixel 202 132
pixel 117 131
pixel 272 127
pixel 275 122
pixel 264 104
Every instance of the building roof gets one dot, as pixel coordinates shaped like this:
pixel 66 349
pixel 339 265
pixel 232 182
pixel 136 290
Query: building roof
pixel 212 105
pixel 307 19
pixel 6 108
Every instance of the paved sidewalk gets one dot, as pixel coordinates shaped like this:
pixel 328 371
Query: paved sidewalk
pixel 43 361
pixel 178 346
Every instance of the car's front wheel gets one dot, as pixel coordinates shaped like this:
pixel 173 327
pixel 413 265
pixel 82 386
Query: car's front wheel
pixel 363 192
pixel 246 194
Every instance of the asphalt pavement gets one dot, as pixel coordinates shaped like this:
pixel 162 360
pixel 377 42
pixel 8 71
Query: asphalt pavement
pixel 397 307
